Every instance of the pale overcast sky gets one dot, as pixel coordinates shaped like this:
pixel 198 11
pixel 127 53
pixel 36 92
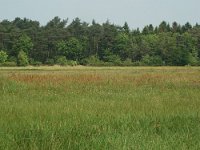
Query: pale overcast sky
pixel 136 12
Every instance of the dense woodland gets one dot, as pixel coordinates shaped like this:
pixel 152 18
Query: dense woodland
pixel 24 42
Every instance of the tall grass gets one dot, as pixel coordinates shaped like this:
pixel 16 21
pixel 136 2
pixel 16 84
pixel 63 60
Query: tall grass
pixel 100 108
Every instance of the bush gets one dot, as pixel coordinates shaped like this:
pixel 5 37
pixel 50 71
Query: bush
pixel 12 59
pixel 9 64
pixel 113 60
pixel 61 60
pixel 34 63
pixel 91 61
pixel 127 62
pixel 50 62
pixel 3 57
pixel 151 61
pixel 193 60
pixel 137 63
pixel 22 59
pixel 72 63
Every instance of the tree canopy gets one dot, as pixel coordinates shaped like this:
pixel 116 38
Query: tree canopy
pixel 105 44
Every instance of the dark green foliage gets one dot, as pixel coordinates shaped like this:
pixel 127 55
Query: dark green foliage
pixel 100 44
pixel 126 28
pixel 164 27
pixel 56 23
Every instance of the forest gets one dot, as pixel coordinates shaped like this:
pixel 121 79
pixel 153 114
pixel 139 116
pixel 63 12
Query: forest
pixel 26 42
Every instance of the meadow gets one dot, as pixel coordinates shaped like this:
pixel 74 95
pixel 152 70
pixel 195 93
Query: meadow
pixel 55 108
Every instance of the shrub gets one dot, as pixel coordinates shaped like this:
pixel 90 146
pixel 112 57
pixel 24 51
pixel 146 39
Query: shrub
pixel 113 60
pixel 152 61
pixel 193 60
pixel 34 63
pixel 12 59
pixel 137 63
pixel 61 60
pixel 72 63
pixel 9 64
pixel 91 61
pixel 127 62
pixel 22 59
pixel 50 62
pixel 3 57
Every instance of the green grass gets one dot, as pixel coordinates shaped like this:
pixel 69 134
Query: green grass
pixel 100 108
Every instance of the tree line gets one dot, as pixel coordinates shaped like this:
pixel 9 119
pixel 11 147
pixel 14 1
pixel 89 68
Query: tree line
pixel 24 42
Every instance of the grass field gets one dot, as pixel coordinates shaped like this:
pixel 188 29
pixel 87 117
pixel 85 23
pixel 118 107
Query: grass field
pixel 115 108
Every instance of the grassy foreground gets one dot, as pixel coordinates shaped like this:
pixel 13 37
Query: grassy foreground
pixel 100 108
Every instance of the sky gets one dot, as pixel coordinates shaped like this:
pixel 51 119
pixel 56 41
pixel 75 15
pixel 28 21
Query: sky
pixel 137 13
